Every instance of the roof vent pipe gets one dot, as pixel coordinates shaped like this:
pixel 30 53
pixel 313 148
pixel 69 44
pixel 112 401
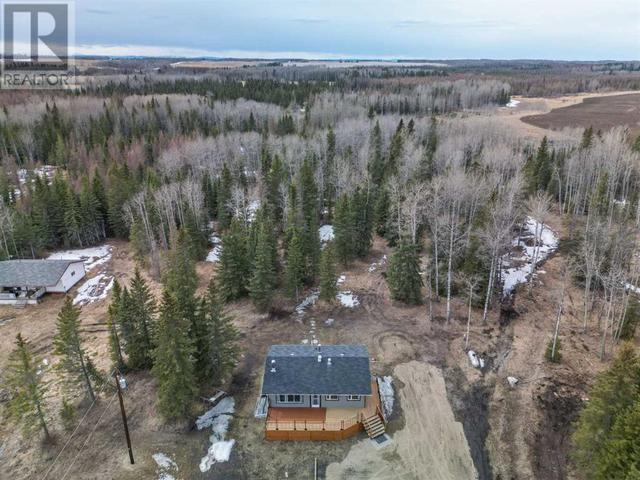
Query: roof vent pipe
pixel 273 370
pixel 329 361
pixel 319 358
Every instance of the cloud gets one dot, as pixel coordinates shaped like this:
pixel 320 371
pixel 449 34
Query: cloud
pixel 458 24
pixel 98 11
pixel 182 52
pixel 309 20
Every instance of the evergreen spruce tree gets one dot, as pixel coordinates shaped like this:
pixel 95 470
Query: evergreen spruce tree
pixel 376 160
pixel 71 219
pixel 179 277
pixel 263 281
pixel 614 392
pixel 362 220
pixel 68 346
pixel 621 451
pixel 403 274
pixel 381 212
pixel 295 268
pixel 113 325
pixel 328 275
pixel 142 315
pixel 343 229
pixel 222 349
pixel 233 269
pixel 309 231
pixel 224 197
pixel 26 388
pixel 395 149
pixel 173 366
pixel 67 415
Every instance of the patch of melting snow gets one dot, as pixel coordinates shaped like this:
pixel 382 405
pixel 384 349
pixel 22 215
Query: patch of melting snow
pixel 514 275
pixel 475 360
pixel 214 254
pixel 94 289
pixel 165 466
pixel 329 321
pixel 217 418
pixel 311 299
pixel 375 265
pixel 326 233
pixel 348 299
pixel 341 279
pixel 513 103
pixel 92 257
pixel 385 387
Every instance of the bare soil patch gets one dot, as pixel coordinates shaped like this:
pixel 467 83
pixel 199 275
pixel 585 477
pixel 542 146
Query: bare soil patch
pixel 601 113
pixel 431 445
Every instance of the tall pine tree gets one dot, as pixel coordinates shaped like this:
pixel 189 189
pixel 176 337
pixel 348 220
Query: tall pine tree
pixel 173 366
pixel 27 390
pixel 68 346
pixel 403 274
pixel 263 281
pixel 233 269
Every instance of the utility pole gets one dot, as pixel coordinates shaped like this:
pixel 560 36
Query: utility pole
pixel 124 416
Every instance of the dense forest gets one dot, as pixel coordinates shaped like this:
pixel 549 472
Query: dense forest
pixel 264 164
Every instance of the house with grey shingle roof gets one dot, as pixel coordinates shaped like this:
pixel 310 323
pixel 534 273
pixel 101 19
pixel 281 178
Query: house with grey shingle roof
pixel 319 388
pixel 25 281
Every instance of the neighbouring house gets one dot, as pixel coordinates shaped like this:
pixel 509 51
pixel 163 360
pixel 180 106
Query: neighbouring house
pixel 320 393
pixel 24 282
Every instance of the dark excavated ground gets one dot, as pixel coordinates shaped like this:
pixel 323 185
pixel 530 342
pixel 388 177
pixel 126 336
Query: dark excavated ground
pixel 601 113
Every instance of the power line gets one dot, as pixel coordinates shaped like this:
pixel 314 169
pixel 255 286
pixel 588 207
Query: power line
pixel 75 429
pixel 95 427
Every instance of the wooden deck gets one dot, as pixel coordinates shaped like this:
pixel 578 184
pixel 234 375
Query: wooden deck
pixel 320 423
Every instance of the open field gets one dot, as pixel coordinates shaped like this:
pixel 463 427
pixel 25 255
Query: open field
pixel 601 113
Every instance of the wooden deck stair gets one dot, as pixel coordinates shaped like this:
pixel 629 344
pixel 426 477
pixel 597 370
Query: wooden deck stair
pixel 373 426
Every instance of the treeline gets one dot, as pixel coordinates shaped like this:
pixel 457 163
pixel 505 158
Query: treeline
pixel 266 91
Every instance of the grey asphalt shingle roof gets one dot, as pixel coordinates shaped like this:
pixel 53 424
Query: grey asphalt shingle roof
pixel 32 273
pixel 297 370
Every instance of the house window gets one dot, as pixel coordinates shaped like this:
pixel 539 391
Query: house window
pixel 353 398
pixel 332 398
pixel 289 398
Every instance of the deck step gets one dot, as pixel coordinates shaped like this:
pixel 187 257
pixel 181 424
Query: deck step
pixel 373 426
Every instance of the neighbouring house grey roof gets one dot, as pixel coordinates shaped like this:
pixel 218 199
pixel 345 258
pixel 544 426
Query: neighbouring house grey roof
pixel 298 371
pixel 32 273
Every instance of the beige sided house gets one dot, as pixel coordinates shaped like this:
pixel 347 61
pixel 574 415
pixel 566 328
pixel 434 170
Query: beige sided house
pixel 320 393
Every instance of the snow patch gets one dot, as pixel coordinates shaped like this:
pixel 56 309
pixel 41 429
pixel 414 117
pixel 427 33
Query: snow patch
pixel 385 387
pixel 94 289
pixel 92 257
pixel 348 299
pixel 513 103
pixel 217 418
pixel 311 299
pixel 326 233
pixel 375 265
pixel 214 254
pixel 475 359
pixel 165 465
pixel 514 275
pixel 329 321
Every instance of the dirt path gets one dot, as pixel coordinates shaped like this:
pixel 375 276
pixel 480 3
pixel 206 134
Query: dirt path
pixel 431 445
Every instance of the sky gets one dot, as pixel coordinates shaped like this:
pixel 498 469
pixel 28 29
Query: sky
pixel 365 29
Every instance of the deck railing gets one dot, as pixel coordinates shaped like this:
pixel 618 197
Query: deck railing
pixel 313 425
